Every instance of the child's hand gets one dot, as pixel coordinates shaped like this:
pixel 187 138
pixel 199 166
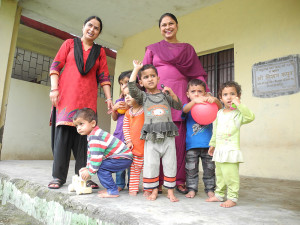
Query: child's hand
pixel 168 91
pixel 200 99
pixel 84 173
pixel 211 150
pixel 129 145
pixel 236 101
pixel 211 99
pixel 120 105
pixel 137 64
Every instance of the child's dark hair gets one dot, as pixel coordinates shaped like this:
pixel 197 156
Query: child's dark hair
pixel 145 67
pixel 126 74
pixel 94 17
pixel 231 83
pixel 86 114
pixel 195 82
pixel 167 14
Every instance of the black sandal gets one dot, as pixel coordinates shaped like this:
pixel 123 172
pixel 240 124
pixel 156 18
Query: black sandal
pixel 159 189
pixel 92 184
pixel 57 182
pixel 181 188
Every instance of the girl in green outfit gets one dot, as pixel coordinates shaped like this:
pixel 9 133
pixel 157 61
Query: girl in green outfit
pixel 225 143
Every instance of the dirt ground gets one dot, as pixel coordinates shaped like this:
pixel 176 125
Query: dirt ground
pixel 10 215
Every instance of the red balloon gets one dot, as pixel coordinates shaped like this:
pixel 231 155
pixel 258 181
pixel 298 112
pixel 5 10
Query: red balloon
pixel 204 113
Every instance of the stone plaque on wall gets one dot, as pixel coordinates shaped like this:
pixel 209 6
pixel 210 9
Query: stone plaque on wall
pixel 276 77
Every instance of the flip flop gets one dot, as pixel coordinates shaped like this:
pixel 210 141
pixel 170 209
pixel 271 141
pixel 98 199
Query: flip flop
pixel 92 184
pixel 57 182
pixel 160 189
pixel 181 188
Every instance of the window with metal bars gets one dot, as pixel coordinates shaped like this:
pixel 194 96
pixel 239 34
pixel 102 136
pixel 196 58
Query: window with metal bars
pixel 219 67
pixel 33 67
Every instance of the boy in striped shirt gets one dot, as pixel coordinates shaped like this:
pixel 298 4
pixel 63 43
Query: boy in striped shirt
pixel 106 154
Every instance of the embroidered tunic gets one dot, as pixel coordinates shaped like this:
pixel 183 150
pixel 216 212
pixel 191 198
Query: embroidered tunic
pixel 77 91
pixel 158 119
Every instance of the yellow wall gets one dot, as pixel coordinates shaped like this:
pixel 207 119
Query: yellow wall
pixel 27 131
pixel 259 30
pixel 9 21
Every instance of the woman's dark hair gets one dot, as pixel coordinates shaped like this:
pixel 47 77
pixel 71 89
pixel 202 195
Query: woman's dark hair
pixel 195 82
pixel 167 14
pixel 145 67
pixel 94 17
pixel 234 84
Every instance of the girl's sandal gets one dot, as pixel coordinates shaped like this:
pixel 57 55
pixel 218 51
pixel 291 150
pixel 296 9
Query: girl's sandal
pixel 181 188
pixel 92 184
pixel 159 189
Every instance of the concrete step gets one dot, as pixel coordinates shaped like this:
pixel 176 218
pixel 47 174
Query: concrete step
pixel 262 201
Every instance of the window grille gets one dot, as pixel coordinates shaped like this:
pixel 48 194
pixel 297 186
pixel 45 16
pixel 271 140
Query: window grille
pixel 219 67
pixel 33 67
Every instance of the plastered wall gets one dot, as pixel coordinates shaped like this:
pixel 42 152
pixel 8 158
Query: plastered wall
pixel 27 130
pixel 258 31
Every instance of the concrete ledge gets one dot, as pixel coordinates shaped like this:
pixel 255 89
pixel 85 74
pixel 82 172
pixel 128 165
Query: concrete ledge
pixel 262 201
pixel 55 208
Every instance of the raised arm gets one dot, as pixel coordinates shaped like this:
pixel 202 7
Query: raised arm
pixel 137 65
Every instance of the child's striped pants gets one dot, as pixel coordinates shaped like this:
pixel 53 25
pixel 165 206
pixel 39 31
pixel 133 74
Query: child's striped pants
pixel 135 172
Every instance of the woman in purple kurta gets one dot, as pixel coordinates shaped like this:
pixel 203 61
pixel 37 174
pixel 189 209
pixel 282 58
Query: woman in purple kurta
pixel 176 63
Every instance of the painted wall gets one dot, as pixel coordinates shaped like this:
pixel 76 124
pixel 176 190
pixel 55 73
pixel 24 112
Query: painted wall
pixel 9 20
pixel 27 130
pixel 258 31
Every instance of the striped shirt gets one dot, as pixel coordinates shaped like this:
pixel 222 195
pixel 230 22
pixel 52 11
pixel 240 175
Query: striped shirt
pixel 132 127
pixel 102 145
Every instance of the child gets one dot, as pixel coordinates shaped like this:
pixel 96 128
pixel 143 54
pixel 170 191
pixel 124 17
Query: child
pixel 158 131
pixel 106 154
pixel 197 140
pixel 225 143
pixel 118 112
pixel 132 127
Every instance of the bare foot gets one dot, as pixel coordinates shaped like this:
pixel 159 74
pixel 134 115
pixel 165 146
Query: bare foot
pixel 228 204
pixel 106 195
pixel 147 193
pixel 153 195
pixel 133 193
pixel 210 194
pixel 120 189
pixel 103 191
pixel 171 196
pixel 190 194
pixel 212 199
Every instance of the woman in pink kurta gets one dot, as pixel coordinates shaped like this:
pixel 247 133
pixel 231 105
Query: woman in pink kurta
pixel 176 63
pixel 79 66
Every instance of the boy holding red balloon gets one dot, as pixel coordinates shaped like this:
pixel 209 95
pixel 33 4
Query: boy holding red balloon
pixel 199 114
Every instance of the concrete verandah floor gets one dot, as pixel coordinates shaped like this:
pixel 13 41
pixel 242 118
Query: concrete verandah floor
pixel 262 201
